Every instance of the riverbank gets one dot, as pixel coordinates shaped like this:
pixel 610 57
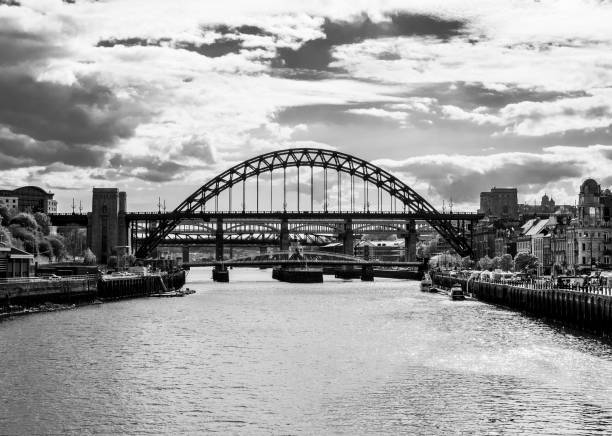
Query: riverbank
pixel 34 295
pixel 583 311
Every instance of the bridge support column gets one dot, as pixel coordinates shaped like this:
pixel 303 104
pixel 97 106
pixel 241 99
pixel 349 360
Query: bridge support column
pixel 347 245
pixel 219 239
pixel 220 273
pixel 284 235
pixel 347 237
pixel 410 240
pixel 367 273
pixel 185 254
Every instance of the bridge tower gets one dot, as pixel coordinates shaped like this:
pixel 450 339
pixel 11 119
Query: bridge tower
pixel 107 227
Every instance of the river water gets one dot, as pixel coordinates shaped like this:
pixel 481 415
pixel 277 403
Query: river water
pixel 255 356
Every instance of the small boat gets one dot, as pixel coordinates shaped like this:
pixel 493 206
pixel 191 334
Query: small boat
pixel 426 283
pixel 456 292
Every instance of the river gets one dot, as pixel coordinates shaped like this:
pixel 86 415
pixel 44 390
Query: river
pixel 255 356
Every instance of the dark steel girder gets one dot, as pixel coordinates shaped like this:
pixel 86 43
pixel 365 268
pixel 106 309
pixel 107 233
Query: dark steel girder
pixel 296 157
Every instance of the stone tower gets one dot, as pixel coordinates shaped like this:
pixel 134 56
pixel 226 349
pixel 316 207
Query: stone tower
pixel 106 223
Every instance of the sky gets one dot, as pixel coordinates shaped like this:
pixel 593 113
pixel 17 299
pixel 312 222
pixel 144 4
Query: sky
pixel 157 97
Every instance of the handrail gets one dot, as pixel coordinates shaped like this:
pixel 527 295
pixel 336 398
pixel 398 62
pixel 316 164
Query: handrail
pixel 540 284
pixel 47 278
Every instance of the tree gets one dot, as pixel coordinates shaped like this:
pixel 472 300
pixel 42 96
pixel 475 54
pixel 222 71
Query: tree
pixel 506 263
pixel 24 220
pixel 26 236
pixel 89 258
pixel 496 263
pixel 43 222
pixel 467 263
pixel 5 215
pixel 57 244
pixel 44 248
pixel 5 236
pixel 75 241
pixel 525 262
pixel 485 263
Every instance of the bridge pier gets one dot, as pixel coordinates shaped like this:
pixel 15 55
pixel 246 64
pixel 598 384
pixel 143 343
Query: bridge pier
pixel 410 241
pixel 220 273
pixel 219 239
pixel 367 273
pixel 347 246
pixel 284 235
pixel 185 254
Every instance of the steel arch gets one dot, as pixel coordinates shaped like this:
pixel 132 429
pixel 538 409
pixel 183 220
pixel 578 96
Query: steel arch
pixel 313 157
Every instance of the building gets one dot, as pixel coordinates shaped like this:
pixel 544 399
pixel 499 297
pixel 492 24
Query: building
pixel 381 249
pixel 591 232
pixel 15 262
pixel 9 201
pixel 500 202
pixel 28 199
pixel 547 206
pixel 483 238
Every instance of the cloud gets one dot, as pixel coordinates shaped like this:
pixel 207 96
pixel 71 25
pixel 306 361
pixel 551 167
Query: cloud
pixel 538 118
pixel 381 113
pixel 317 54
pixel 21 151
pixel 147 168
pixel 463 177
pixel 82 113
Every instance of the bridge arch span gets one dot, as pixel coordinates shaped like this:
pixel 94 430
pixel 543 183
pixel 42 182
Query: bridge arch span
pixel 308 157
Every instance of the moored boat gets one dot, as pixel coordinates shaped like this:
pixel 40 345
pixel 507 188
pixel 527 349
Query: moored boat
pixel 426 283
pixel 456 292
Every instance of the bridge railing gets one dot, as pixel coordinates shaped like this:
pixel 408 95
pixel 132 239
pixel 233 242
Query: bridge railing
pixel 294 212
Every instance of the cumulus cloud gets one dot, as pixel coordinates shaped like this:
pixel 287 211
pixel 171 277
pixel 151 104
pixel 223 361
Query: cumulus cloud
pixel 463 177
pixel 205 85
pixel 83 113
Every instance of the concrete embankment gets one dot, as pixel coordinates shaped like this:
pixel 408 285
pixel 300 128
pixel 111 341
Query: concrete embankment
pixel 590 312
pixel 113 288
pixel 23 293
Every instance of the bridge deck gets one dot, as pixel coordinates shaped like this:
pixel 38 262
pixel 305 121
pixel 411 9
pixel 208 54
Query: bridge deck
pixel 274 262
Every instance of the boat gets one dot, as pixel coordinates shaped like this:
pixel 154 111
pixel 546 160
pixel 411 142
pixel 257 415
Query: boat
pixel 456 292
pixel 168 294
pixel 426 283
pixel 300 274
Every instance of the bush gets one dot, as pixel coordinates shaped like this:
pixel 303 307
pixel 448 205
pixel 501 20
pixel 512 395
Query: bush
pixel 89 258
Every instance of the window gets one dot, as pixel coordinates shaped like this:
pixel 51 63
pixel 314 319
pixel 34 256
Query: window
pixel 583 260
pixel 583 246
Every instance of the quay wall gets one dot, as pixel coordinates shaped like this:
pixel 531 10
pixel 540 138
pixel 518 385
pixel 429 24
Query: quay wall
pixel 114 288
pixel 587 311
pixel 38 291
pixel 35 291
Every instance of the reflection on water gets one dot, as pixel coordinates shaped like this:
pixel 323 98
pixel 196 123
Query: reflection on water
pixel 255 356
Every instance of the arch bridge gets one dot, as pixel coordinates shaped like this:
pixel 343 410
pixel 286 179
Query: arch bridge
pixel 313 196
